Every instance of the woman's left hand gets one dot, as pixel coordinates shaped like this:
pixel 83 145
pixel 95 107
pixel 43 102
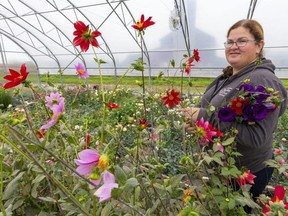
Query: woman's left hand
pixel 190 113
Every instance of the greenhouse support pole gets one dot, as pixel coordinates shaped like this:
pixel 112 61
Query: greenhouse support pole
pixel 3 59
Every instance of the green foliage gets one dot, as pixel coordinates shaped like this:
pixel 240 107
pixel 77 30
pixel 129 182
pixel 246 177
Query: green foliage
pixel 6 99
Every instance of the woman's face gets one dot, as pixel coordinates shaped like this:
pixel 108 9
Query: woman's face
pixel 240 56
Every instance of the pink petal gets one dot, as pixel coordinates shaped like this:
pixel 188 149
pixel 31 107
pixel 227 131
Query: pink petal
pixel 108 177
pixel 104 192
pixel 88 156
pixel 84 169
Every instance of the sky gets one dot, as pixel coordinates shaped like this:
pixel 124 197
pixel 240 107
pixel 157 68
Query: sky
pixel 208 22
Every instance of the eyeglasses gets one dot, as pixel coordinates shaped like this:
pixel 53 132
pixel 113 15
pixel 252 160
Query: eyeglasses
pixel 239 43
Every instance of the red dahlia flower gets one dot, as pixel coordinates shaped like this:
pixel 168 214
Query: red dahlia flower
pixel 204 132
pixel 279 195
pixel 171 98
pixel 113 105
pixel 16 78
pixel 143 24
pixel 85 36
pixel 189 64
pixel 237 105
pixel 196 55
pixel 143 124
pixel 246 177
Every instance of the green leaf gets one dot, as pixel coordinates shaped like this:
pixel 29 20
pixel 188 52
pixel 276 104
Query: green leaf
pixel 47 199
pixel 99 61
pixel 131 184
pixel 12 187
pixel 120 175
pixel 172 62
pixel 50 83
pixel 217 192
pixel 208 159
pixel 139 65
pixel 38 179
pixel 228 141
pixel 174 181
pixel 17 204
pixel 188 211
pixel 107 209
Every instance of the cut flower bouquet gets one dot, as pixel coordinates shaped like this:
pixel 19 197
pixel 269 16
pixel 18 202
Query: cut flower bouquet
pixel 252 104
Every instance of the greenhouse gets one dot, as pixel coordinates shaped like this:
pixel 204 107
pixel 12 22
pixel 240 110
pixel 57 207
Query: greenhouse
pixel 152 107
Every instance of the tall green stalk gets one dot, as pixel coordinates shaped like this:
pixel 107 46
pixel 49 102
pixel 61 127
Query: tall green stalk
pixel 1 180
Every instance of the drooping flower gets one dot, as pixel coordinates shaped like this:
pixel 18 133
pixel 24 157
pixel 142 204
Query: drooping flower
pixel 245 177
pixel 171 99
pixel 15 77
pixel 203 131
pixel 196 55
pixel 88 160
pixel 237 104
pixel 57 112
pixel 220 147
pixel 81 71
pixel 113 105
pixel 279 195
pixel 188 65
pixel 142 24
pixel 54 99
pixel 85 36
pixel 109 182
pixel 143 124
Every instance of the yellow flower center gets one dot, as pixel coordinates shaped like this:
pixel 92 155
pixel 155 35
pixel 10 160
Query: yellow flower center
pixel 171 97
pixel 139 24
pixel 80 71
pixel 239 104
pixel 103 161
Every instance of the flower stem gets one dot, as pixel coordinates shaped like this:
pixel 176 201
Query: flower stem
pixel 1 180
pixel 103 99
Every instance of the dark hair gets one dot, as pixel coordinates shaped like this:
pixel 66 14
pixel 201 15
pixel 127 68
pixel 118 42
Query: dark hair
pixel 255 29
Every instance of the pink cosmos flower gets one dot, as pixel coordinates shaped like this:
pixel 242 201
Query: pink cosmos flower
pixel 246 177
pixel 104 192
pixel 57 112
pixel 82 73
pixel 204 132
pixel 53 99
pixel 88 159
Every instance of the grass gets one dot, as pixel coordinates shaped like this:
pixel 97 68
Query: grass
pixel 199 84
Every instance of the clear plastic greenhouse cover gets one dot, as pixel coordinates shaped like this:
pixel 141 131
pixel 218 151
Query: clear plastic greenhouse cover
pixel 40 33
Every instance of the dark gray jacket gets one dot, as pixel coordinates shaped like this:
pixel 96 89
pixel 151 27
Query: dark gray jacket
pixel 254 142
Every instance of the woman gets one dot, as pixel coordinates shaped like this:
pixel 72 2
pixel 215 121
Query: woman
pixel 244 53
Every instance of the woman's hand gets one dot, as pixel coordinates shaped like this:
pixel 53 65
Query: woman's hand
pixel 189 128
pixel 190 113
